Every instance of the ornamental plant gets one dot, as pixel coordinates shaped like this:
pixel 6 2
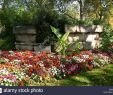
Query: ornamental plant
pixel 22 68
pixel 62 42
pixel 63 46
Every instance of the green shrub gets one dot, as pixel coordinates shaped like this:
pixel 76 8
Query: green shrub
pixel 97 22
pixel 7 39
pixel 106 38
pixel 62 42
pixel 63 46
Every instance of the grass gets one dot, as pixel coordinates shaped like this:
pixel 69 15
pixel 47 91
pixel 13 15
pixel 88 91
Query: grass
pixel 97 77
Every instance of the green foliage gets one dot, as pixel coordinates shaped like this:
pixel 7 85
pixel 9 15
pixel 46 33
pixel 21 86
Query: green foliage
pixel 2 61
pixel 107 38
pixel 74 47
pixel 62 42
pixel 56 32
pixel 7 43
pixel 86 22
pixel 63 46
pixel 7 38
pixel 98 62
pixel 98 9
pixel 97 22
pixel 44 13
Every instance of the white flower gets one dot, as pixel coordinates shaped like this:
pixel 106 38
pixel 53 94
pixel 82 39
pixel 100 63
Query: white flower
pixel 6 60
pixel 29 65
pixel 6 84
pixel 40 78
pixel 16 61
pixel 11 53
pixel 2 83
pixel 4 71
pixel 5 79
pixel 9 80
pixel 40 63
pixel 86 56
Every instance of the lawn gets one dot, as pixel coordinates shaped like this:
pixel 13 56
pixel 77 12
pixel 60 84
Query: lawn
pixel 97 77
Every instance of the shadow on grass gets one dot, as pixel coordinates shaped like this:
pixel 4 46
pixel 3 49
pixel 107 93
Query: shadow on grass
pixel 97 77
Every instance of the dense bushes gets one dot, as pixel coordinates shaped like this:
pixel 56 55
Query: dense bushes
pixel 7 39
pixel 107 39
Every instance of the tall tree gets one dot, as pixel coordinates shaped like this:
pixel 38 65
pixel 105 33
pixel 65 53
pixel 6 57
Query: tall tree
pixel 99 9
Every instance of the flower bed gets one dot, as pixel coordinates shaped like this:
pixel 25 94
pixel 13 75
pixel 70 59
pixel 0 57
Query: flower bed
pixel 17 68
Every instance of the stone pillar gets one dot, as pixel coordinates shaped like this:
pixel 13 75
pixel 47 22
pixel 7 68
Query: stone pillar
pixel 25 37
pixel 88 36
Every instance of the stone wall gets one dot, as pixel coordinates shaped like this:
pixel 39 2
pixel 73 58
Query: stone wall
pixel 89 36
pixel 26 39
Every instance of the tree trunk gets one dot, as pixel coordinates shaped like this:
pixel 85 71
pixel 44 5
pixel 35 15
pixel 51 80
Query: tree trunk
pixel 81 9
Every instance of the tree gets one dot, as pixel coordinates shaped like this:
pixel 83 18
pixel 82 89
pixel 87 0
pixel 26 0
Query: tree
pixel 98 9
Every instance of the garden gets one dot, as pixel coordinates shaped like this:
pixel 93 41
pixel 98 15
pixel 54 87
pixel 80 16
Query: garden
pixel 26 68
pixel 67 64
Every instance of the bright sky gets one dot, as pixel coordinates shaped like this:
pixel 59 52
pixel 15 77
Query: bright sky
pixel 75 2
pixel 0 6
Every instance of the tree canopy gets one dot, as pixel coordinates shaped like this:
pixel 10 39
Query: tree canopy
pixel 43 13
pixel 30 11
